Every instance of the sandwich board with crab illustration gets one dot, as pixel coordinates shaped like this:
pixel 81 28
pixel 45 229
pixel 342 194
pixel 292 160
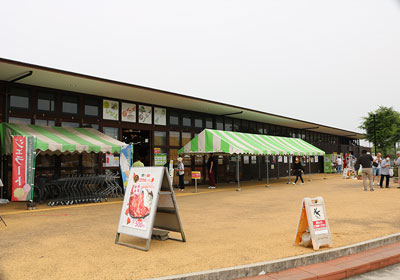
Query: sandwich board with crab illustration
pixel 149 203
pixel 313 217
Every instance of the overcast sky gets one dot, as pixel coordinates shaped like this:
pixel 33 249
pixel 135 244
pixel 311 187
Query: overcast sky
pixel 328 62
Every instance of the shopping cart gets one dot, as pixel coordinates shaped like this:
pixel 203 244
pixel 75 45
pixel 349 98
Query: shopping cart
pixel 3 201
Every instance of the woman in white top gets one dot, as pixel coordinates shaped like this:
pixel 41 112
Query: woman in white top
pixel 385 166
pixel 181 173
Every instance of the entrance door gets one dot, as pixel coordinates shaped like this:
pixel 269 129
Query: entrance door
pixel 140 139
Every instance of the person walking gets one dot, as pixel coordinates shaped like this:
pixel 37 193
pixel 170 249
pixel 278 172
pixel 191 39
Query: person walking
pixel 211 169
pixel 365 160
pixel 339 164
pixel 180 170
pixel 385 166
pixel 376 168
pixel 397 162
pixel 299 169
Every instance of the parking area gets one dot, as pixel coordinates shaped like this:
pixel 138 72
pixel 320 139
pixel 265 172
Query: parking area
pixel 223 228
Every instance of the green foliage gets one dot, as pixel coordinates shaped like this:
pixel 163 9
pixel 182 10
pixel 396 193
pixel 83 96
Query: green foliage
pixel 387 128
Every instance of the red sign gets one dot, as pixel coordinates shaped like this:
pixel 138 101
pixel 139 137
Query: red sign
pixel 157 150
pixel 319 224
pixel 19 169
pixel 196 175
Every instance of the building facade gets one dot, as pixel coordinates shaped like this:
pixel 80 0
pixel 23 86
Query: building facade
pixel 154 122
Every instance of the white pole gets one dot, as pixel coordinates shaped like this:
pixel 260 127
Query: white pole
pixel 309 168
pixel 267 173
pixel 237 172
pixel 289 170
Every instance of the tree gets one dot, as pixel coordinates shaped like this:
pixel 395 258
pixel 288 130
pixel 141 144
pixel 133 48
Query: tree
pixel 387 122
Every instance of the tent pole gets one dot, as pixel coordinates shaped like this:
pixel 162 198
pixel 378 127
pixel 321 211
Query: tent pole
pixel 259 167
pixel 309 168
pixel 277 165
pixel 237 172
pixel 267 173
pixel 289 170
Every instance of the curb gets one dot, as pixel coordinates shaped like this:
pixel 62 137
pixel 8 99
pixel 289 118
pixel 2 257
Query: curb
pixel 284 263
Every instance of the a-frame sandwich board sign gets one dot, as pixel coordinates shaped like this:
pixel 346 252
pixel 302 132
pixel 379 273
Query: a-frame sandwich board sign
pixel 149 203
pixel 313 217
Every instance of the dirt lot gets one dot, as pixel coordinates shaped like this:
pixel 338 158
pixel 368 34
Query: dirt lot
pixel 223 228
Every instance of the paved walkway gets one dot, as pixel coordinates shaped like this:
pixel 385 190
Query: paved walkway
pixel 340 268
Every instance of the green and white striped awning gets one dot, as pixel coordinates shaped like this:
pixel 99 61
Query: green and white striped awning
pixel 59 140
pixel 227 142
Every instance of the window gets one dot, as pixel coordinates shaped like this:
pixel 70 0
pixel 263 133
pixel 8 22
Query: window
pixel 260 128
pixel 91 107
pixel 19 120
pixel 236 125
pixel 267 129
pixel 70 104
pixel 252 127
pixel 198 122
pixel 174 138
pixel 245 126
pixel 69 124
pixel 111 131
pixel 228 124
pixel 174 118
pixel 209 123
pixel 19 98
pixel 46 102
pixel 44 122
pixel 186 121
pixel 173 155
pixel 219 124
pixel 186 137
pixel 160 138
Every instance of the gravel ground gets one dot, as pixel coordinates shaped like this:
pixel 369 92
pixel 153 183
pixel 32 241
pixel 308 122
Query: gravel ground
pixel 223 228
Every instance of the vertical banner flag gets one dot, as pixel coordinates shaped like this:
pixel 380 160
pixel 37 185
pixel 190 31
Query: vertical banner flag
pixel 125 162
pixel 23 170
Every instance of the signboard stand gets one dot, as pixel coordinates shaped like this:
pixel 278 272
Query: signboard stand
pixel 313 217
pixel 149 204
pixel 196 175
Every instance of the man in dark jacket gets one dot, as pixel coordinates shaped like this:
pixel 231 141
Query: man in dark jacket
pixel 365 160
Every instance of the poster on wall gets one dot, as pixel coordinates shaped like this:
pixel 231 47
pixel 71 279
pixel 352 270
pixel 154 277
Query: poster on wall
pixel 279 158
pixel 160 159
pixel 160 116
pixel 316 158
pixel 125 163
pixel 140 201
pixel 253 159
pixel 145 113
pixel 128 112
pixel 246 159
pixel 23 168
pixel 110 110
pixel 285 159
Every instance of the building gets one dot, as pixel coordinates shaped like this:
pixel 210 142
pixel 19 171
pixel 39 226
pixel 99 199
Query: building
pixel 155 121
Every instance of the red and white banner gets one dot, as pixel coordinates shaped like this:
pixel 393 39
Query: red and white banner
pixel 22 169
